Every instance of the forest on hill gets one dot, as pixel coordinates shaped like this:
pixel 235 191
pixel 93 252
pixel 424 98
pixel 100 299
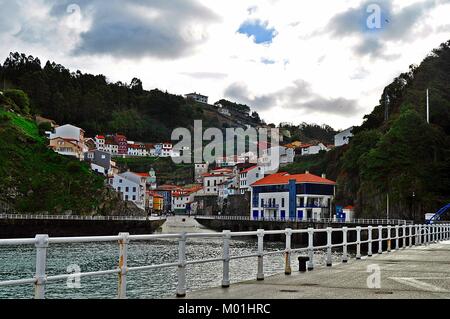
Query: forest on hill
pixel 395 153
pixel 98 106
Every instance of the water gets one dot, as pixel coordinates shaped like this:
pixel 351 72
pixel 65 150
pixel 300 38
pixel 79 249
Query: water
pixel 19 263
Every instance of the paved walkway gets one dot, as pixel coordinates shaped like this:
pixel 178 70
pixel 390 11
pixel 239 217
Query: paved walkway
pixel 418 272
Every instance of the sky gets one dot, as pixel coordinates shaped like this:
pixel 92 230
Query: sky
pixel 322 61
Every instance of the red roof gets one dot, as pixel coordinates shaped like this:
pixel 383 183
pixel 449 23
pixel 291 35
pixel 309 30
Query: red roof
pixel 349 207
pixel 284 178
pixel 100 137
pixel 248 169
pixel 143 174
pixel 154 194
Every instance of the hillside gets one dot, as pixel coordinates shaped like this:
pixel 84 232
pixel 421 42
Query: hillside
pixel 35 179
pixel 398 152
pixel 91 102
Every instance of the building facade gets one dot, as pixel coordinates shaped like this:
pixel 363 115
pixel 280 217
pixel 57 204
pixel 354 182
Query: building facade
pixel 343 138
pixel 294 197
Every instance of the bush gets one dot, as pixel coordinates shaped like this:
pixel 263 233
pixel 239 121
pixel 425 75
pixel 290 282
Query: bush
pixel 73 167
pixel 20 98
pixel 44 127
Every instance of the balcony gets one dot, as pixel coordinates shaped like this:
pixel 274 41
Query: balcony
pixel 271 206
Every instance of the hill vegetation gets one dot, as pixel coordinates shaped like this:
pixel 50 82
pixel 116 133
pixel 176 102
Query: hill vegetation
pixel 36 179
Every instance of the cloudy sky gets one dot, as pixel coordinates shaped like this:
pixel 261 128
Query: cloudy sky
pixel 292 61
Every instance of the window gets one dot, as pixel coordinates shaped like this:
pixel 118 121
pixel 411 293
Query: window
pixel 262 202
pixel 282 202
pixel 120 181
pixel 209 183
pixel 134 198
pixel 126 197
pixel 134 189
pixel 119 189
pixel 127 189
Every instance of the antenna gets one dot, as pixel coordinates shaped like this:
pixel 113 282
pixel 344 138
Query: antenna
pixel 428 106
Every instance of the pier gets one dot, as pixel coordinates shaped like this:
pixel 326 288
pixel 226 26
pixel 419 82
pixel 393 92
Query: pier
pixel 412 273
pixel 407 253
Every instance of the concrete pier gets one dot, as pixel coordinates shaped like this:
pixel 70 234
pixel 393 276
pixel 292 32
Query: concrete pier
pixel 413 273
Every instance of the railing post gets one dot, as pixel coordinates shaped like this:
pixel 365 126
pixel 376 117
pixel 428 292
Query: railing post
pixel 311 249
pixel 181 287
pixel 287 267
pixel 344 247
pixel 226 259
pixel 389 238
pixel 369 239
pixel 329 248
pixel 404 236
pixel 380 240
pixel 428 228
pixel 123 260
pixel 410 229
pixel 41 244
pixel 260 274
pixel 358 242
pixel 419 235
pixel 416 235
pixel 397 235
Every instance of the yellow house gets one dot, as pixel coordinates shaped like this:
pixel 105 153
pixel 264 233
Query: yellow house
pixel 155 201
pixel 68 147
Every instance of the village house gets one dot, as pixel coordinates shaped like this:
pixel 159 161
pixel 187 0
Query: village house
pixel 137 149
pixel 197 97
pixel 68 140
pixel 212 180
pixel 182 199
pixel 313 149
pixel 249 176
pixel 132 187
pixel 294 197
pixel 155 202
pixel 343 138
pixel 101 162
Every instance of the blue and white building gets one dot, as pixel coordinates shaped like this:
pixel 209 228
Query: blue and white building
pixel 292 197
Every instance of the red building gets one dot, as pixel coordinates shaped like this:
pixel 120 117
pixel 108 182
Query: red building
pixel 122 141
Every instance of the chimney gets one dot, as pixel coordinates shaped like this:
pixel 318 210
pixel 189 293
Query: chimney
pixel 324 175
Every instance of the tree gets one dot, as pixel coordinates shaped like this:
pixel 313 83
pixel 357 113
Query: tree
pixel 20 98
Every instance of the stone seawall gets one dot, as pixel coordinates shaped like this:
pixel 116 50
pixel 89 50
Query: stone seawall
pixel 28 228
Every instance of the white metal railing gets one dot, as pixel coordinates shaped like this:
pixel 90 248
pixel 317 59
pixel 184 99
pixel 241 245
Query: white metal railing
pixel 92 218
pixel 312 220
pixel 411 235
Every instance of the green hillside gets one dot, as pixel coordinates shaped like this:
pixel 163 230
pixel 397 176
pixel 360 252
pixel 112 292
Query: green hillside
pixel 34 178
pixel 396 152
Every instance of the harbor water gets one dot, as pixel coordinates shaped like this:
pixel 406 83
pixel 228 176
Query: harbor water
pixel 19 262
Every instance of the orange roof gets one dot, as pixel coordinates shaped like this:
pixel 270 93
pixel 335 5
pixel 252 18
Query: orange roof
pixel 284 178
pixel 248 169
pixel 143 174
pixel 350 207
pixel 154 194
pixel 100 137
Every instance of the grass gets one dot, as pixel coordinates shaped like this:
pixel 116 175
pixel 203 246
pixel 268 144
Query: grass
pixel 33 178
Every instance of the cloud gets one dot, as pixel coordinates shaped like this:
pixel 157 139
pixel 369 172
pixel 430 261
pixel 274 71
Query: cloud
pixel 206 75
pixel 395 25
pixel 134 29
pixel 299 96
pixel 258 30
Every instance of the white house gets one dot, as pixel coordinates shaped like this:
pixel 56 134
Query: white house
pixel 211 181
pixel 295 197
pixel 68 132
pixel 163 149
pixel 137 149
pixel 197 97
pixel 250 176
pixel 343 138
pixel 131 186
pixel 100 142
pixel 200 169
pixel 310 149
